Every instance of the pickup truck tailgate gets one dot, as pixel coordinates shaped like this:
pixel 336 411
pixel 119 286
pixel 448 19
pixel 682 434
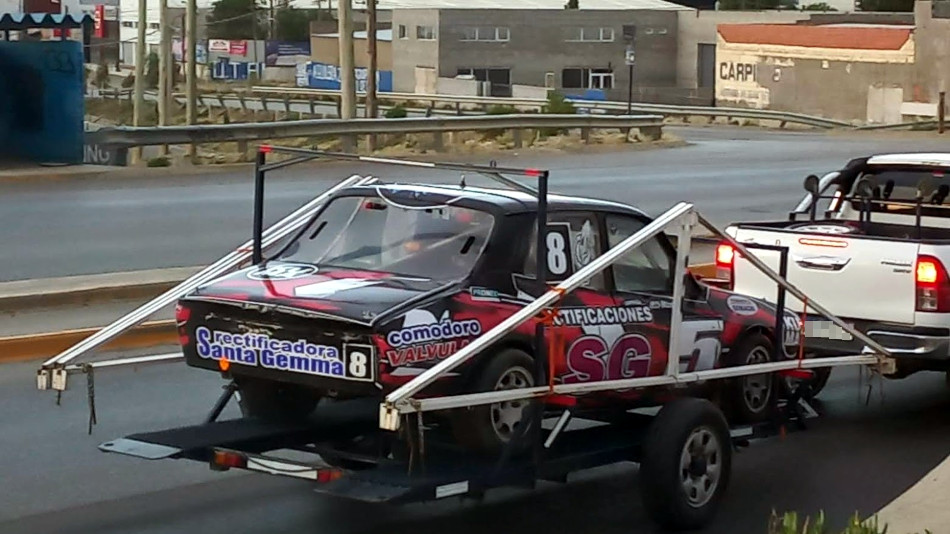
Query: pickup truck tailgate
pixel 867 279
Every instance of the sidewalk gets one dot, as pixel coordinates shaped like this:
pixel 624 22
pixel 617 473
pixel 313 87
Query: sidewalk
pixel 924 507
pixel 25 172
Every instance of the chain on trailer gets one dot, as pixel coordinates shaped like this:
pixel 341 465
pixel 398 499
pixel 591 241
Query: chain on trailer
pixel 54 372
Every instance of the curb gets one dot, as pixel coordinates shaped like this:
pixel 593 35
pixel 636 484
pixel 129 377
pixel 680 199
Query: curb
pixel 84 289
pixel 41 346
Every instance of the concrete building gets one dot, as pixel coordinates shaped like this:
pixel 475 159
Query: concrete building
pixel 574 51
pixel 325 48
pixel 861 71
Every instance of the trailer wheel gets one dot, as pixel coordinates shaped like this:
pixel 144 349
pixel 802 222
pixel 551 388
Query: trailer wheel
pixel 269 400
pixel 816 384
pixel 488 428
pixel 749 399
pixel 686 464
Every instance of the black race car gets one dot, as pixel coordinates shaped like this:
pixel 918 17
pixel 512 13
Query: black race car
pixel 387 280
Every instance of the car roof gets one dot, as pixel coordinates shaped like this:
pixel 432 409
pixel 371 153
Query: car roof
pixel 928 159
pixel 510 201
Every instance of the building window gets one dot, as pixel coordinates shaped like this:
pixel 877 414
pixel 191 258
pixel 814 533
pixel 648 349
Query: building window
pixel 590 34
pixel 485 33
pixel 403 33
pixel 581 78
pixel 426 33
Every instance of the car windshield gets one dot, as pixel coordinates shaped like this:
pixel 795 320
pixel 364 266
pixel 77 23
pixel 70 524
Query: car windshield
pixel 371 233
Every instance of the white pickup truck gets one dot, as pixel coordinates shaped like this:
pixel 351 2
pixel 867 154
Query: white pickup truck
pixel 871 242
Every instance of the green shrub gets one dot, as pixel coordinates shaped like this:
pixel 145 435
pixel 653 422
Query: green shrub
pixel 160 161
pixel 396 112
pixel 501 109
pixel 789 524
pixel 556 105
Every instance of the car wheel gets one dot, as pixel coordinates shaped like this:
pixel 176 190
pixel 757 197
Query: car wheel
pixel 686 464
pixel 489 428
pixel 749 399
pixel 269 400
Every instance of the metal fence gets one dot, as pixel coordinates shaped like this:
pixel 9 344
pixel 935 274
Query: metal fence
pixel 649 126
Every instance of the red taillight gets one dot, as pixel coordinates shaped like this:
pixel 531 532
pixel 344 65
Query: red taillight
pixel 725 262
pixel 229 459
pixel 329 475
pixel 182 313
pixel 933 285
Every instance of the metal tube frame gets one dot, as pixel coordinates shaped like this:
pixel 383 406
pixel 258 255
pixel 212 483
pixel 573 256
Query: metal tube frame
pixel 53 372
pixel 401 400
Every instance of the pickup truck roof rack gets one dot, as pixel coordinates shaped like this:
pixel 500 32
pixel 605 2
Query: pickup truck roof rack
pixel 406 460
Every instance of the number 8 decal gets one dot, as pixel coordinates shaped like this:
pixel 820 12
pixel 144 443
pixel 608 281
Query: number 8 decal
pixel 557 257
pixel 557 241
pixel 358 361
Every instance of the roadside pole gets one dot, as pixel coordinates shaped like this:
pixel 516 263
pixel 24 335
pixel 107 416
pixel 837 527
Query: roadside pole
pixel 373 66
pixel 191 74
pixel 941 112
pixel 347 75
pixel 165 78
pixel 629 58
pixel 138 106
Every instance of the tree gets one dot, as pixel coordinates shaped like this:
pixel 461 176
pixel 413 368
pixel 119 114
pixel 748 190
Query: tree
pixel 752 5
pixel 294 24
pixel 235 19
pixel 151 71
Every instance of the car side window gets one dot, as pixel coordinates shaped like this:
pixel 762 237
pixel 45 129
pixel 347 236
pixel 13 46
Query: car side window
pixel 573 241
pixel 645 269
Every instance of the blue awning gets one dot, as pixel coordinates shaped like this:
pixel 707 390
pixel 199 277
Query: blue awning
pixel 30 21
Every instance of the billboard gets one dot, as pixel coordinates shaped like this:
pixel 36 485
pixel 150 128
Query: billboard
pixel 324 76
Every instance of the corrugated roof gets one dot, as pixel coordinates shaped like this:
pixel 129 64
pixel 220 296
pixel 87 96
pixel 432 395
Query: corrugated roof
pixel 26 21
pixel 854 38
pixel 585 5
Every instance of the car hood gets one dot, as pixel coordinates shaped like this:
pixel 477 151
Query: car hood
pixel 348 294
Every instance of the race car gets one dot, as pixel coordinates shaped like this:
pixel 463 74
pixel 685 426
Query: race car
pixel 385 281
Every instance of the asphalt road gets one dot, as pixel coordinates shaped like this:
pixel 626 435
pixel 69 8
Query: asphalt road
pixel 856 459
pixel 69 228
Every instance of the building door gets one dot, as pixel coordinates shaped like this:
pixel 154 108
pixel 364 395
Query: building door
pixel 706 66
pixel 426 80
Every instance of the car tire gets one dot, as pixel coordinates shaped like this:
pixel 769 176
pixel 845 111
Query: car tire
pixel 685 464
pixel 750 399
pixel 487 429
pixel 275 401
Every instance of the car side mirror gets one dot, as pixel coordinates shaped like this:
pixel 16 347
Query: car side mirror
pixel 811 184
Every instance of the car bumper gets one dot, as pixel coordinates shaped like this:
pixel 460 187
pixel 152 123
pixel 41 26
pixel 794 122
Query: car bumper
pixel 904 342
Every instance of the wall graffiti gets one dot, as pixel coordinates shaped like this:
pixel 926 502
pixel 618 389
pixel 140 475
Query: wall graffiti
pixel 41 101
pixel 323 76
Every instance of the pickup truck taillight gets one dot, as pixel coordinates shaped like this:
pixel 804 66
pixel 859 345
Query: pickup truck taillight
pixel 933 285
pixel 725 262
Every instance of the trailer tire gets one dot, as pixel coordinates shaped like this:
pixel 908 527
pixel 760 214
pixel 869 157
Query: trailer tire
pixel 815 385
pixel 275 401
pixel 750 399
pixel 688 437
pixel 488 428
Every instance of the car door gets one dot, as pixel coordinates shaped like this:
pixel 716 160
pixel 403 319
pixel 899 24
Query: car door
pixel 643 276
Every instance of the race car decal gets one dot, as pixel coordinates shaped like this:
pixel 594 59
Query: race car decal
pixel 742 305
pixel 329 288
pixel 603 316
pixel 424 353
pixel 423 337
pixel 590 359
pixel 301 356
pixel 282 271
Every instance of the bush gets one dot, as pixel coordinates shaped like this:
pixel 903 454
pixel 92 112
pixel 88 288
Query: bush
pixel 556 105
pixel 789 524
pixel 501 109
pixel 160 161
pixel 396 112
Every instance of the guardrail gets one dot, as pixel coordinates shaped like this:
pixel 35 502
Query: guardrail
pixel 649 125
pixel 663 109
pixel 479 104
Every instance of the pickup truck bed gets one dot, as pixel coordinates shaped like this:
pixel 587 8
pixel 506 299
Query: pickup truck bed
pixel 875 258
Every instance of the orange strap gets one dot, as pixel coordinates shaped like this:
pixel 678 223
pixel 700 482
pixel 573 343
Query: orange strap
pixel 556 347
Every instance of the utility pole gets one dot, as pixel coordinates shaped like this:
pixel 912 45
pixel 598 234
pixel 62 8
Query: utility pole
pixel 138 106
pixel 165 78
pixel 347 75
pixel 191 74
pixel 371 48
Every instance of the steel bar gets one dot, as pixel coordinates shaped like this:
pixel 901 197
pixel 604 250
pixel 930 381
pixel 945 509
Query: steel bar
pixel 402 394
pixel 508 395
pixel 233 259
pixel 760 265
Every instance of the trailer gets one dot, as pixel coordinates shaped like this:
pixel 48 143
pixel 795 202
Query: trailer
pixel 395 448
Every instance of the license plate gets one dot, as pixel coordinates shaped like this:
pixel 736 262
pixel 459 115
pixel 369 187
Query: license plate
pixel 827 330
